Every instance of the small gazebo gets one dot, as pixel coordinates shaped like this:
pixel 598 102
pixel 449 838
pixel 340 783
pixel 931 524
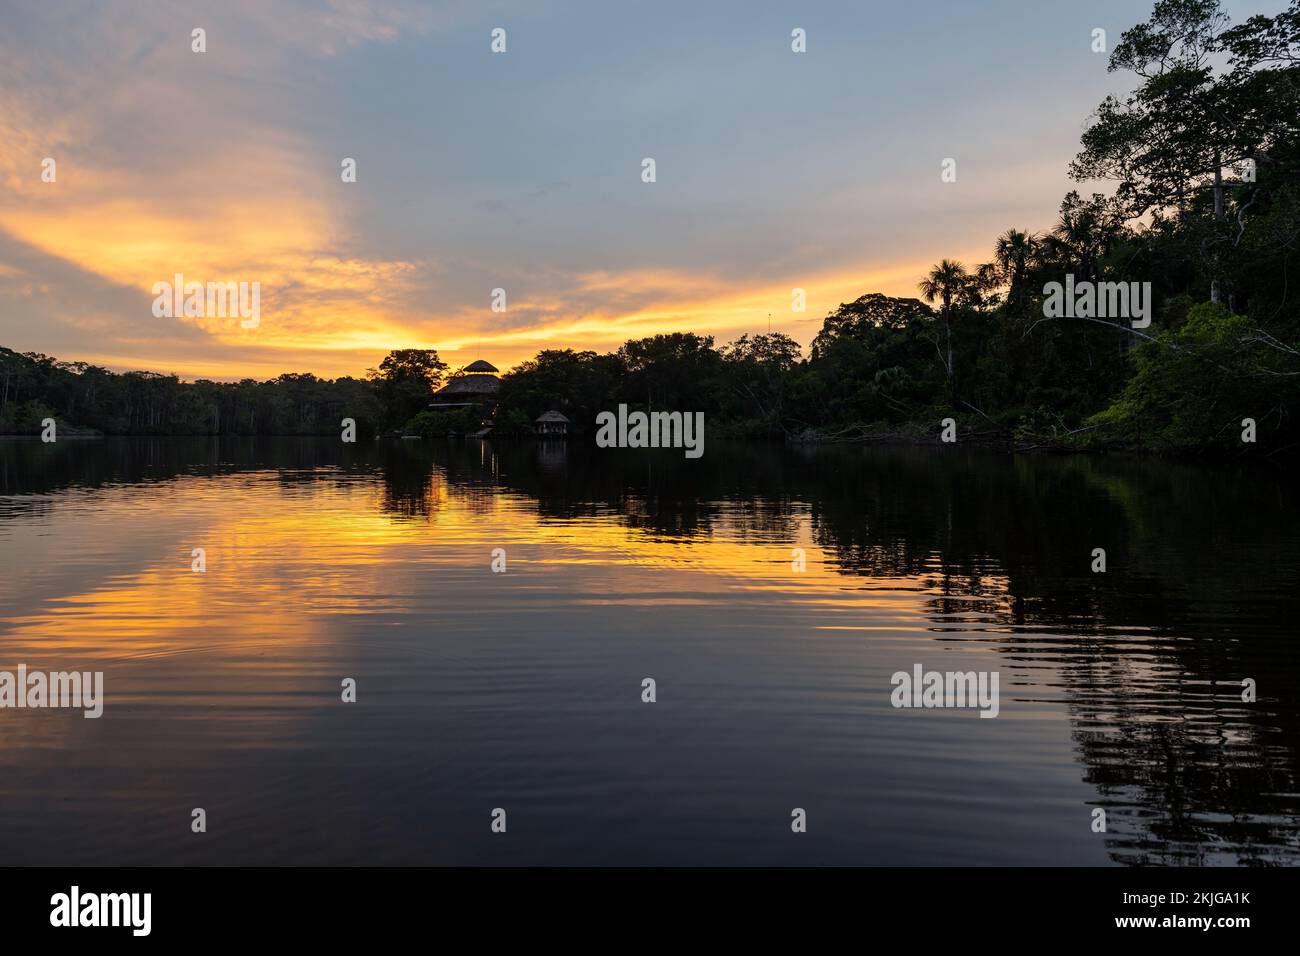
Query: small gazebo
pixel 552 423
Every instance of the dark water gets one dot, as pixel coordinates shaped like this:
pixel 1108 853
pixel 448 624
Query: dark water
pixel 522 690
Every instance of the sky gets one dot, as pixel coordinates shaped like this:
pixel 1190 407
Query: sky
pixel 521 171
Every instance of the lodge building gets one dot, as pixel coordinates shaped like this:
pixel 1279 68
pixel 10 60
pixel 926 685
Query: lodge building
pixel 476 384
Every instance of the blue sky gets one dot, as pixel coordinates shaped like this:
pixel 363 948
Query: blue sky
pixel 519 170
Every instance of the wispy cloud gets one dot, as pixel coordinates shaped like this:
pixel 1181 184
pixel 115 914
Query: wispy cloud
pixel 478 171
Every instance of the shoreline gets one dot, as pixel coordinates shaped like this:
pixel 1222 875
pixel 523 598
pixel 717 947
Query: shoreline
pixel 985 441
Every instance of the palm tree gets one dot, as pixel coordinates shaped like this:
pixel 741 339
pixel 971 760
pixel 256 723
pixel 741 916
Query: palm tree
pixel 952 285
pixel 1015 254
pixel 1085 232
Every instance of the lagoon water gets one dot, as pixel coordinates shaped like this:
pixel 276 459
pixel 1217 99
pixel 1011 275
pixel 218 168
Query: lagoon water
pixel 522 690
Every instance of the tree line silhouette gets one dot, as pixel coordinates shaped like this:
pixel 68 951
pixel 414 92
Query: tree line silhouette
pixel 1204 154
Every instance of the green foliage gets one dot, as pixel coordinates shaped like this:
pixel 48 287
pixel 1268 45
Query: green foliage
pixel 755 378
pixel 579 384
pixel 88 398
pixel 405 382
pixel 24 418
pixel 1193 386
pixel 1189 215
pixel 678 370
pixel 441 424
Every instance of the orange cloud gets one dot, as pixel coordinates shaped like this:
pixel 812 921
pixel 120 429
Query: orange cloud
pixel 680 302
pixel 238 198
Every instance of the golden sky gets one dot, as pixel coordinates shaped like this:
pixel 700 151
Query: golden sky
pixel 478 171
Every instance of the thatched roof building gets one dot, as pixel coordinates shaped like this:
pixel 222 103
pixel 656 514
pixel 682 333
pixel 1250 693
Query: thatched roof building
pixel 552 423
pixel 475 384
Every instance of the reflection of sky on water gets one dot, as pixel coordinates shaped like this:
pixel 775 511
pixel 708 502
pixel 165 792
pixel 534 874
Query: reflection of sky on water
pixel 523 689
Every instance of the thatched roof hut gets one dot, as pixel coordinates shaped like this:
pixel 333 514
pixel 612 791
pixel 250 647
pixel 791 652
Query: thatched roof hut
pixel 475 384
pixel 552 423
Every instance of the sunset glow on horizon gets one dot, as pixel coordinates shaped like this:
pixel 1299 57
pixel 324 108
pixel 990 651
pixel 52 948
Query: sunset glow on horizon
pixel 521 171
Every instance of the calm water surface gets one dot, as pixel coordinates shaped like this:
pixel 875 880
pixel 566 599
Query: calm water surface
pixel 522 690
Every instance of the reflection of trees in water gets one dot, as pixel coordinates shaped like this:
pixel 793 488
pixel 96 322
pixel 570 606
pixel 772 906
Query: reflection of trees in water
pixel 410 484
pixel 1199 593
pixel 655 491
pixel 1187 773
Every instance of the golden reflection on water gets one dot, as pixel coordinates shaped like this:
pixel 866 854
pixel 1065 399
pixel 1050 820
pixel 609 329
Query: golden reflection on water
pixel 470 679
pixel 285 562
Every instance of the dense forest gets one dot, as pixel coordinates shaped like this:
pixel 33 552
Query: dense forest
pixel 1204 160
